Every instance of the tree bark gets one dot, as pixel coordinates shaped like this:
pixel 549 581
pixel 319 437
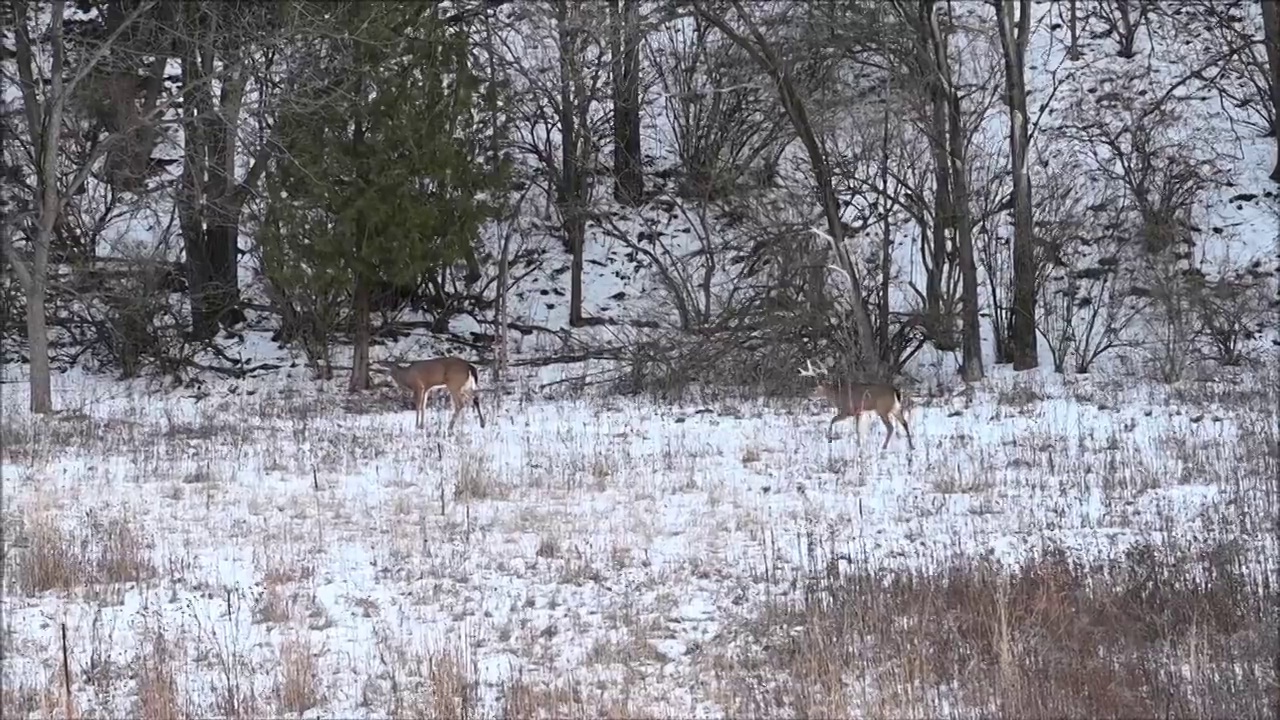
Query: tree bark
pixel 44 118
pixel 360 337
pixel 886 247
pixel 942 215
pixel 44 121
pixel 571 187
pixel 628 186
pixel 501 326
pixel 576 228
pixel 38 348
pixel 936 252
pixel 1271 33
pixel 1073 30
pixel 971 340
pixel 1022 319
pixel 211 197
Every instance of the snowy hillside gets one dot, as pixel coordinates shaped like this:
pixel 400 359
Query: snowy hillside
pixel 1042 544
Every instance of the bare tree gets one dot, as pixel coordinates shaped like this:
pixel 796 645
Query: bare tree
pixel 45 101
pixel 1014 21
pixel 577 142
pixel 766 56
pixel 1164 175
pixel 934 54
pixel 1073 28
pixel 1160 177
pixel 724 125
pixel 1087 305
pixel 625 41
pixel 1271 35
pixel 1123 19
pixel 218 38
pixel 112 93
pixel 560 68
pixel 1232 311
pixel 937 253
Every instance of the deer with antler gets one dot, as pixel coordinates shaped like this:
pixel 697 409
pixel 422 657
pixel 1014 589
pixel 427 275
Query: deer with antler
pixel 852 399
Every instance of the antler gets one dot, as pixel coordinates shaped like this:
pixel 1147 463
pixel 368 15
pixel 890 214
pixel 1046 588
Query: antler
pixel 808 370
pixel 388 362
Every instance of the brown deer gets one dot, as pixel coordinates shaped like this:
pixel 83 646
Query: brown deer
pixel 852 399
pixel 452 373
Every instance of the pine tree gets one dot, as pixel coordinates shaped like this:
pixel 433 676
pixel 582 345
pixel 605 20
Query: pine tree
pixel 385 171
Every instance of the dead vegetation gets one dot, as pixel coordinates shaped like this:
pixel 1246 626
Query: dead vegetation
pixel 91 550
pixel 1159 632
pixel 1170 630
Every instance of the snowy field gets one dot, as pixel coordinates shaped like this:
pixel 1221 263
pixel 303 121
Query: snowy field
pixel 270 549
pixel 1087 546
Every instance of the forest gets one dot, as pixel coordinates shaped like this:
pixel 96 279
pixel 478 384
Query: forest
pixel 851 182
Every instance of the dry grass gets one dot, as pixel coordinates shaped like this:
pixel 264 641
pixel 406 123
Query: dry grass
pixel 568 545
pixel 477 479
pixel 92 551
pixel 1160 632
pixel 563 701
pixel 158 692
pixel 298 684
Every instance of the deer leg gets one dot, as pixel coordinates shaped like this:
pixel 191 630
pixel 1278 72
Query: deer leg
pixel 888 425
pixel 458 407
pixel 475 400
pixel 857 423
pixel 419 407
pixel 831 426
pixel 903 421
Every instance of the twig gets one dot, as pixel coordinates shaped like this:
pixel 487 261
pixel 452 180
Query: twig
pixel 66 675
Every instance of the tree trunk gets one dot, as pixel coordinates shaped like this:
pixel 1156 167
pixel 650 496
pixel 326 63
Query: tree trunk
pixel 222 231
pixel 500 329
pixel 886 249
pixel 360 337
pixel 222 293
pixel 1022 321
pixel 1073 30
pixel 942 218
pixel 571 187
pixel 209 198
pixel 935 252
pixel 1271 32
pixel 44 120
pixel 194 191
pixel 45 127
pixel 971 340
pixel 38 348
pixel 628 187
pixel 576 228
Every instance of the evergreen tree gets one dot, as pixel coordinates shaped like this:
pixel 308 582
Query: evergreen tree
pixel 385 171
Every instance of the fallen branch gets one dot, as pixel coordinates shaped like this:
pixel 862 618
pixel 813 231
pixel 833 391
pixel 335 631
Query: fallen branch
pixel 237 373
pixel 602 354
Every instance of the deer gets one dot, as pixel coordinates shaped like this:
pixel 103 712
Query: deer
pixel 852 399
pixel 423 376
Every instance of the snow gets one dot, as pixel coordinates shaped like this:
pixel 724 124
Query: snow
pixel 595 524
pixel 588 542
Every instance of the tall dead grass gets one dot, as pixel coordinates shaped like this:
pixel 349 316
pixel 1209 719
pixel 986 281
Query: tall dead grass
pixel 50 553
pixel 1159 632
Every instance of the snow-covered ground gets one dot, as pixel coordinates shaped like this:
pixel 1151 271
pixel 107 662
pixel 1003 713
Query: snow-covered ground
pixel 262 531
pixel 273 546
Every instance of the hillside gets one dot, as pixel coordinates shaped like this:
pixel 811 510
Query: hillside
pixel 627 539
